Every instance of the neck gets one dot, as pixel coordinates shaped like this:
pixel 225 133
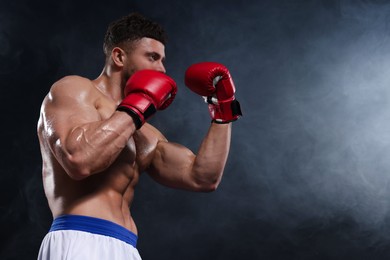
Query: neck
pixel 110 83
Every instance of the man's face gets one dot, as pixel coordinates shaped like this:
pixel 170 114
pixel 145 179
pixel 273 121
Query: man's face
pixel 147 53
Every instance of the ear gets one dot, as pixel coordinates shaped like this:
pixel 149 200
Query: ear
pixel 118 56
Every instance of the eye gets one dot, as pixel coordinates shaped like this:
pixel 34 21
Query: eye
pixel 153 57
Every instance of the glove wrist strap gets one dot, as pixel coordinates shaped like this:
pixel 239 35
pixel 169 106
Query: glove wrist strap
pixel 136 118
pixel 225 112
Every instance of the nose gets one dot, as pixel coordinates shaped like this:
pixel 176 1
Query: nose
pixel 161 67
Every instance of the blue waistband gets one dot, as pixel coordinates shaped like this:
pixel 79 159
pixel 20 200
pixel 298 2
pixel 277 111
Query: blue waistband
pixel 95 226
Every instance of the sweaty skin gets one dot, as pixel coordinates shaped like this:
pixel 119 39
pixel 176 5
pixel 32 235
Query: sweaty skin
pixel 93 156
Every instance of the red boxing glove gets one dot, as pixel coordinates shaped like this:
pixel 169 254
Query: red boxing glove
pixel 213 81
pixel 147 91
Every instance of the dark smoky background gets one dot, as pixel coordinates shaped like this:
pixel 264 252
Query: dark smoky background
pixel 308 172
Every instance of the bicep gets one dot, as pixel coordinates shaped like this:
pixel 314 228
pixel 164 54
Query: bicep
pixel 172 165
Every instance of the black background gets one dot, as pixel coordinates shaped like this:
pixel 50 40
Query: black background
pixel 308 172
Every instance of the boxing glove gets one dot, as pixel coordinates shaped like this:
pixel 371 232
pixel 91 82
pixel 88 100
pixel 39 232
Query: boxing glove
pixel 147 91
pixel 214 82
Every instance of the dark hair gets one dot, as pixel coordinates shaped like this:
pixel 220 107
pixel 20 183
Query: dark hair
pixel 131 28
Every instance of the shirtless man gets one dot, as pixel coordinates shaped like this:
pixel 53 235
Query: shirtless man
pixel 95 142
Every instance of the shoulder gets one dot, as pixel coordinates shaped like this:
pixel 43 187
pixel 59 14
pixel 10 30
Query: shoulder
pixel 146 140
pixel 70 87
pixel 152 132
pixel 71 100
pixel 71 83
pixel 69 94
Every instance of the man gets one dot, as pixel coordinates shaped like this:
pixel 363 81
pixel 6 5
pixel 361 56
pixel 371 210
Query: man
pixel 95 142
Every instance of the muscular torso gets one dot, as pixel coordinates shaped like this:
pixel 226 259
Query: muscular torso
pixel 108 194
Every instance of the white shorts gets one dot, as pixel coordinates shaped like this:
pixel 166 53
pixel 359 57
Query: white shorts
pixel 80 238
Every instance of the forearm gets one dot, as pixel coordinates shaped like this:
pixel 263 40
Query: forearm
pixel 91 148
pixel 210 161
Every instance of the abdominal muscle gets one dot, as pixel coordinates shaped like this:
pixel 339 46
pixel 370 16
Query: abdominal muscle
pixel 107 195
